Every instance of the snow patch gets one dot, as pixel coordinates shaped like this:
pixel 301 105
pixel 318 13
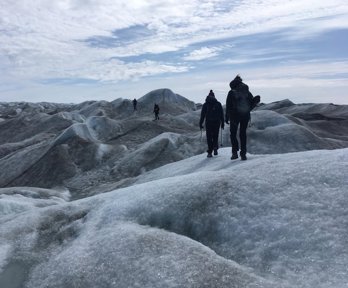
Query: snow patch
pixel 16 200
pixel 102 150
pixel 5 251
pixel 78 130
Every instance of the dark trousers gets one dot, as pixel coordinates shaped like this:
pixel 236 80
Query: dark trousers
pixel 243 125
pixel 212 135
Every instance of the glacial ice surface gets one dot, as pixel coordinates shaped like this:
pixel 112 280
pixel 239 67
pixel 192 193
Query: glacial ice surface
pixel 272 221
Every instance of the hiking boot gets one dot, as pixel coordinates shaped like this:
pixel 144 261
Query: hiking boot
pixel 234 156
pixel 215 152
pixel 243 157
pixel 209 155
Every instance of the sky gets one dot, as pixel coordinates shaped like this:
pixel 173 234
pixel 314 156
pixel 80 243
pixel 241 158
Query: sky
pixel 70 51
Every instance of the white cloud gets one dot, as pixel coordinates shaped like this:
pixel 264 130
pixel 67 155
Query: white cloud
pixel 64 22
pixel 315 70
pixel 117 70
pixel 202 53
pixel 243 60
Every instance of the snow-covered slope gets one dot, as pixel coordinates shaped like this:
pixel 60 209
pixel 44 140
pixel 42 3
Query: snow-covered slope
pixel 271 221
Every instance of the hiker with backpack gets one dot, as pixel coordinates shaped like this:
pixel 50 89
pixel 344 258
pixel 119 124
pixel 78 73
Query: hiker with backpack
pixel 239 103
pixel 213 115
pixel 156 111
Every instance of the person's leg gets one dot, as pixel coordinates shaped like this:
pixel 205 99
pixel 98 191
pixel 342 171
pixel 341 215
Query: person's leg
pixel 233 135
pixel 216 129
pixel 209 132
pixel 242 135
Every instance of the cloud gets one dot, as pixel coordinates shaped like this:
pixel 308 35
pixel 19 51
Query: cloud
pixel 116 70
pixel 75 38
pixel 169 22
pixel 244 60
pixel 202 53
pixel 317 70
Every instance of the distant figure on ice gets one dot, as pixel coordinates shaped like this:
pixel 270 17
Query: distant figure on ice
pixel 213 114
pixel 239 103
pixel 135 102
pixel 156 111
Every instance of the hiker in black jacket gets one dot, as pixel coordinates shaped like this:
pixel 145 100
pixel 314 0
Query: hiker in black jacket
pixel 214 118
pixel 239 103
pixel 156 111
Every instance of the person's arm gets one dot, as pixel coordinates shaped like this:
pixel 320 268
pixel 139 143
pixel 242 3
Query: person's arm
pixel 203 112
pixel 222 120
pixel 228 106
pixel 250 98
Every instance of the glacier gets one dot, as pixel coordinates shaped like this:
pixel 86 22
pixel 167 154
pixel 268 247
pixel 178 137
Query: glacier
pixel 274 220
pixel 96 195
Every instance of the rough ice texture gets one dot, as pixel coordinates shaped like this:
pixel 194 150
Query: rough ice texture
pixel 198 222
pixel 87 147
pixel 180 220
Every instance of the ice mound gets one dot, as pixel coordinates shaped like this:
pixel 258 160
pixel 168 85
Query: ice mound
pixel 202 222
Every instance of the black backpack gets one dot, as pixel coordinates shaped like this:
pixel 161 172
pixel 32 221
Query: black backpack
pixel 213 111
pixel 241 100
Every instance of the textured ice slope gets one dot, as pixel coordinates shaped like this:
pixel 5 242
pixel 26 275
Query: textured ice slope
pixel 195 223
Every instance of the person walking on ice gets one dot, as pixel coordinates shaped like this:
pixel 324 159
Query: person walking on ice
pixel 213 115
pixel 156 111
pixel 239 103
pixel 135 102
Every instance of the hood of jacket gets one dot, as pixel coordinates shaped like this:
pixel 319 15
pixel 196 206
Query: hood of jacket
pixel 235 83
pixel 210 100
pixel 240 86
